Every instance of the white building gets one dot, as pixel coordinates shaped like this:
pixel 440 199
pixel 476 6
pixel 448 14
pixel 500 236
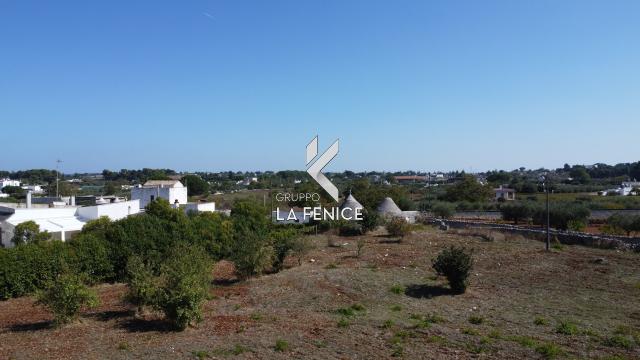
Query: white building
pixel 503 193
pixel 62 222
pixel 171 190
pixel 36 189
pixel 8 182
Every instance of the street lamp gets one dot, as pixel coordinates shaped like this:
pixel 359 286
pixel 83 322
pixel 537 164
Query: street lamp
pixel 544 178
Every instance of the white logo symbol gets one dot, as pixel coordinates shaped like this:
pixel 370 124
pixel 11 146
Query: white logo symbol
pixel 315 169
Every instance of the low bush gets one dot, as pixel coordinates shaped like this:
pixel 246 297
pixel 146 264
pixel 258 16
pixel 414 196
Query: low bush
pixel 186 279
pixel 398 226
pixel 455 264
pixel 443 210
pixel 65 296
pixel 350 229
pixel 567 328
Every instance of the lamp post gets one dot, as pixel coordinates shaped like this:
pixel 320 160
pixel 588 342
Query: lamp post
pixel 545 186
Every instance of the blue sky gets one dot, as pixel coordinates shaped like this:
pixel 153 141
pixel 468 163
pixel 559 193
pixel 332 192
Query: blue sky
pixel 244 85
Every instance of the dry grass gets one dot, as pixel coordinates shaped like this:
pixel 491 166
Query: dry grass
pixel 340 306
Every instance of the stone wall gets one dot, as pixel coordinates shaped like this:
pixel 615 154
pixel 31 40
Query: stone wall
pixel 565 237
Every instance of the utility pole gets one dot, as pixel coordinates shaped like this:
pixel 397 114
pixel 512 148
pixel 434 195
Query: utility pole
pixel 545 187
pixel 548 218
pixel 57 177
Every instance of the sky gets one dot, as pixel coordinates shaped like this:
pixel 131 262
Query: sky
pixel 245 85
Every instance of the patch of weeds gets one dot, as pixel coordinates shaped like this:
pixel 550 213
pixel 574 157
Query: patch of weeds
pixel 236 307
pixel 468 331
pixel 398 351
pixel 422 324
pixel 387 324
pixel 540 321
pixel 123 346
pixel 524 341
pixel 557 246
pixel 351 310
pixel 476 349
pixel 549 350
pixel 495 334
pixel 331 266
pixel 348 312
pixel 320 343
pixel 343 322
pixel 281 345
pixel 238 349
pixel 567 328
pixel 400 336
pixel 396 308
pixel 476 320
pixel 619 341
pixel 397 289
pixel 201 354
pixel 590 332
pixel 435 318
pixel 613 357
pixel 256 316
pixel 437 339
pixel 485 340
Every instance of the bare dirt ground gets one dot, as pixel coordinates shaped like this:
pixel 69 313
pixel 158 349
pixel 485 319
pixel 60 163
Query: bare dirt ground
pixel 385 303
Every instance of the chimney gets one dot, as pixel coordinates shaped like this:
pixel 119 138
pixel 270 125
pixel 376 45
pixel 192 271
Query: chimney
pixel 73 200
pixel 28 199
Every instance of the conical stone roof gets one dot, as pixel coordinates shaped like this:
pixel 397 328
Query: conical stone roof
pixel 351 203
pixel 388 207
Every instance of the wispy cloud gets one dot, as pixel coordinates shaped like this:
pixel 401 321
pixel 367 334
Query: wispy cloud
pixel 208 15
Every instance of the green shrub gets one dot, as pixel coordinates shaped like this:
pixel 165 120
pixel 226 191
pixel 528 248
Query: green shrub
pixel 91 257
pixel 549 350
pixel 618 341
pixel 397 289
pixel 252 254
pixel 29 267
pixel 281 345
pixel 567 328
pixel 350 229
pixel 28 232
pixel 540 321
pixel 65 297
pixel 186 279
pixel 516 212
pixel 370 221
pixel 560 215
pixel 476 320
pixel 398 226
pixel 455 264
pixel 443 210
pixel 143 286
pixel 284 240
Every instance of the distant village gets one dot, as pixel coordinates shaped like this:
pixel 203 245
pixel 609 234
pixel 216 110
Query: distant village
pixel 63 213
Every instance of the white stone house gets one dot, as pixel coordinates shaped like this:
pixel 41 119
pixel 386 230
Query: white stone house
pixel 171 190
pixel 62 222
pixel 504 193
pixel 8 182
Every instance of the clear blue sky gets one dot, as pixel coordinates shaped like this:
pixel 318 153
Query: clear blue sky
pixel 244 85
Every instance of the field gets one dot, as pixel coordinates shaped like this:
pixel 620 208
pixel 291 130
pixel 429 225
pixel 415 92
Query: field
pixel 574 302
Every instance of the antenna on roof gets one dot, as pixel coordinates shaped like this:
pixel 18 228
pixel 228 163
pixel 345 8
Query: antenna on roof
pixel 58 162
